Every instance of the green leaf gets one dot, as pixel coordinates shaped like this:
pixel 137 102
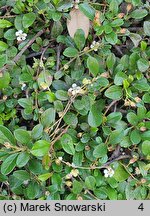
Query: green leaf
pixel 32 190
pixel 142 85
pixel 132 118
pixel 77 187
pixel 3 60
pixel 143 65
pixel 111 59
pixel 111 38
pixel 117 22
pixel 9 164
pixel 116 136
pixel 112 118
pixel 61 95
pixel 10 34
pixel 146 147
pixel 3 46
pixel 119 78
pixel 37 131
pixel 44 176
pixel 48 117
pixel 78 157
pixel 135 137
pixel 6 136
pixel 67 144
pixel 79 39
pixel 22 159
pixel 141 113
pixel 22 136
pixel 22 175
pixel 120 174
pixel 139 13
pixel 40 148
pixel 5 23
pixel 112 182
pixel 28 19
pixel 147 28
pixel 114 92
pixel 93 65
pixel 100 150
pixel 4 80
pixel 90 182
pixel 87 10
pixel 113 7
pixel 71 119
pixel 70 52
pixel 56 29
pixel 112 193
pixel 136 38
pixel 95 116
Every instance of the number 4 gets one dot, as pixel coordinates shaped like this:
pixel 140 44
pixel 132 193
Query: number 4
pixel 141 207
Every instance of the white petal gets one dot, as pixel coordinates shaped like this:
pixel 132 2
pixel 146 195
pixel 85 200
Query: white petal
pixel 105 171
pixel 24 35
pixel 23 38
pixel 74 85
pixel 19 39
pixel 20 31
pixel 106 175
pixel 17 34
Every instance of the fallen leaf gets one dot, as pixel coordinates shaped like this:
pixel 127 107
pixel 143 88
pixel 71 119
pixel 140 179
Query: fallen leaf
pixel 78 21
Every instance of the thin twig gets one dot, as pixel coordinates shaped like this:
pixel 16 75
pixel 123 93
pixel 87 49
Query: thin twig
pixel 18 56
pixel 110 105
pixel 58 57
pixel 121 157
pixel 7 16
pixel 58 137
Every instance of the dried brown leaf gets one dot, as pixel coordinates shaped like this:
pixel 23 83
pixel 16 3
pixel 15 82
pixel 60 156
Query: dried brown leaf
pixel 78 21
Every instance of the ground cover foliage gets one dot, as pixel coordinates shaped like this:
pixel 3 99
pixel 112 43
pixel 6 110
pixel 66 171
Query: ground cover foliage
pixel 74 99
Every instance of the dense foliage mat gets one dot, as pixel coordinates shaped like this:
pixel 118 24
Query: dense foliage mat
pixel 74 99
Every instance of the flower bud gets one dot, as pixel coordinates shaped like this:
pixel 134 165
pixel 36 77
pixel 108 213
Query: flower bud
pixel 120 15
pixel 87 148
pixel 7 145
pixel 68 183
pixel 129 7
pixel 142 128
pixel 123 30
pixel 137 99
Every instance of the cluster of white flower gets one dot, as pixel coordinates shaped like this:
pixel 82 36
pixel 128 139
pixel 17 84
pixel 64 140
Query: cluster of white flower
pixel 20 35
pixel 95 45
pixel 109 172
pixel 74 90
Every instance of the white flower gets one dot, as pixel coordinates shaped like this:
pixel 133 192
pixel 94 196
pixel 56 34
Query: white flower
pixel 95 45
pixel 109 172
pixel 75 89
pixel 74 85
pixel 60 158
pixel 23 87
pixel 20 35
